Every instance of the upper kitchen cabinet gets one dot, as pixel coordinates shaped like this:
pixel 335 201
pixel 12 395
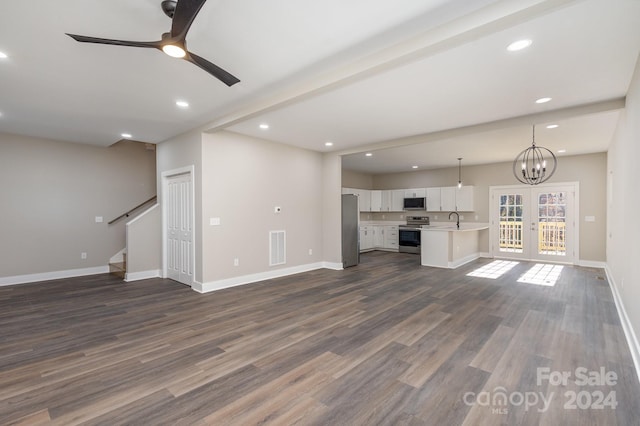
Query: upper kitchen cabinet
pixel 450 199
pixel 387 200
pixel 396 203
pixel 415 193
pixel 377 201
pixel 364 198
pixel 465 198
pixel 434 199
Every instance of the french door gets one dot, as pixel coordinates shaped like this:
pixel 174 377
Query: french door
pixel 534 223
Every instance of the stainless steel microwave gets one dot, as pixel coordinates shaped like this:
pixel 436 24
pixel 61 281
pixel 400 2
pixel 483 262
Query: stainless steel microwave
pixel 418 203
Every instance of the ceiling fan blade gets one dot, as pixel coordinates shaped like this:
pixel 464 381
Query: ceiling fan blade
pixel 185 13
pixel 212 69
pixel 85 39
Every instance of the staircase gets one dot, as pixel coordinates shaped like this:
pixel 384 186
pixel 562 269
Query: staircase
pixel 119 268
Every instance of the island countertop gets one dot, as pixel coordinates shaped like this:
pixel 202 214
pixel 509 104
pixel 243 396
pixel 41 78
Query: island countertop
pixel 452 227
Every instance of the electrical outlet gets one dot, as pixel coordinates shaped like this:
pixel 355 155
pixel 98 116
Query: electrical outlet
pixel 236 262
pixel 99 219
pixel 310 252
pixel 476 217
pixel 83 255
pixel 461 217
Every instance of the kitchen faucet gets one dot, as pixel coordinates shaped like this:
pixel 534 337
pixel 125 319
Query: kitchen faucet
pixel 457 217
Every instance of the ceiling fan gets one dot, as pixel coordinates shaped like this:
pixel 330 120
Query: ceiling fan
pixel 173 43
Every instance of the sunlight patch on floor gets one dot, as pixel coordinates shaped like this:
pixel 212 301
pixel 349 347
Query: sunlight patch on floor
pixel 542 274
pixel 493 270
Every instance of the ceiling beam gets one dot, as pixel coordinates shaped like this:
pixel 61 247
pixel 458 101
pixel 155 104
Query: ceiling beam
pixel 495 17
pixel 524 120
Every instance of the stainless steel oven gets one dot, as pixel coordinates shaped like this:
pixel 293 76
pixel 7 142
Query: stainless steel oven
pixel 409 235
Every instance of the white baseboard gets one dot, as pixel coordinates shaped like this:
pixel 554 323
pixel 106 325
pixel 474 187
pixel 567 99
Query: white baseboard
pixel 485 255
pixel 261 276
pixel 333 265
pixel 142 275
pixel 463 260
pixel 55 275
pixel 591 264
pixel 632 338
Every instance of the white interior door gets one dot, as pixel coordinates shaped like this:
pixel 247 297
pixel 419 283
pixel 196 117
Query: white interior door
pixel 179 228
pixel 534 223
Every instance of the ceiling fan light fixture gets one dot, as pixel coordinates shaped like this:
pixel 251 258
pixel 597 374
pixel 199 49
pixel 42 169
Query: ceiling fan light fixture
pixel 174 51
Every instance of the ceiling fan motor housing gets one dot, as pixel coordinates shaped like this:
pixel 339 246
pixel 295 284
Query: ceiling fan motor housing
pixel 169 7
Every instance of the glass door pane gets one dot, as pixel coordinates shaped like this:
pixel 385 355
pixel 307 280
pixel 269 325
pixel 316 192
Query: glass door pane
pixel 511 237
pixel 553 225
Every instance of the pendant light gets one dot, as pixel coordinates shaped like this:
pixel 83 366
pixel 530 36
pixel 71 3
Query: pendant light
pixel 459 172
pixel 535 164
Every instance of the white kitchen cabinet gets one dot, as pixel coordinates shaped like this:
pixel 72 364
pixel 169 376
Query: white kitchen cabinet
pixel 392 200
pixel 415 193
pixel 448 199
pixel 434 200
pixel 378 236
pixel 390 237
pixel 377 200
pixel 465 198
pixel 397 200
pixel 366 238
pixel 364 198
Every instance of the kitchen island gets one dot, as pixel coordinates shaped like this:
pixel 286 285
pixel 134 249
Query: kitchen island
pixel 446 246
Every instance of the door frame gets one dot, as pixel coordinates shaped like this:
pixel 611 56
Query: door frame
pixel 493 212
pixel 165 176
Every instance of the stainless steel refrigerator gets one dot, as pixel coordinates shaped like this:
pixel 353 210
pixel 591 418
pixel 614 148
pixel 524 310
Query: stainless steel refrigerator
pixel 350 231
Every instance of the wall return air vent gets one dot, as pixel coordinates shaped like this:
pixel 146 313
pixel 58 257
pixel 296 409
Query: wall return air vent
pixel 277 248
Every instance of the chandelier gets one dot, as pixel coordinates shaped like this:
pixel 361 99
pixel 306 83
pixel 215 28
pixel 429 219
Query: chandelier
pixel 535 164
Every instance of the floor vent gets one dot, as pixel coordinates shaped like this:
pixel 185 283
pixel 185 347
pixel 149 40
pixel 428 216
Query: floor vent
pixel 277 248
pixel 599 278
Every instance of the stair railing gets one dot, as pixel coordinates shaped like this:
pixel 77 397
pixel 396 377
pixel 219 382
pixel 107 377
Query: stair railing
pixel 127 213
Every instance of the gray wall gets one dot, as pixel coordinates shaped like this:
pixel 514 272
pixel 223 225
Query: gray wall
pixel 52 192
pixel 243 180
pixel 588 170
pixel 623 204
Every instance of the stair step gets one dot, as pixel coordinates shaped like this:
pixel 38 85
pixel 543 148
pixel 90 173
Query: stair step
pixel 118 269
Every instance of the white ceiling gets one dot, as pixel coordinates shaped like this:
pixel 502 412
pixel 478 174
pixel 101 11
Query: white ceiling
pixel 358 73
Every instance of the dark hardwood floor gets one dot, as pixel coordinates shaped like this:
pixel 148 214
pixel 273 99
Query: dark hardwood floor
pixel 385 343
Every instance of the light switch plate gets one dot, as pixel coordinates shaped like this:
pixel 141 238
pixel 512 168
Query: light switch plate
pixel 214 221
pixel 589 218
pixel 98 219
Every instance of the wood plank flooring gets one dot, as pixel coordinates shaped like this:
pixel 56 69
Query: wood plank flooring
pixel 385 343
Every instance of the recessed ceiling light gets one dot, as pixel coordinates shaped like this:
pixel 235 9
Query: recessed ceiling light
pixel 552 126
pixel 414 167
pixel 562 151
pixel 543 100
pixel 519 45
pixel 126 135
pixel 368 154
pixel 182 104
pixel 3 55
pixel 264 126
pixel 328 144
